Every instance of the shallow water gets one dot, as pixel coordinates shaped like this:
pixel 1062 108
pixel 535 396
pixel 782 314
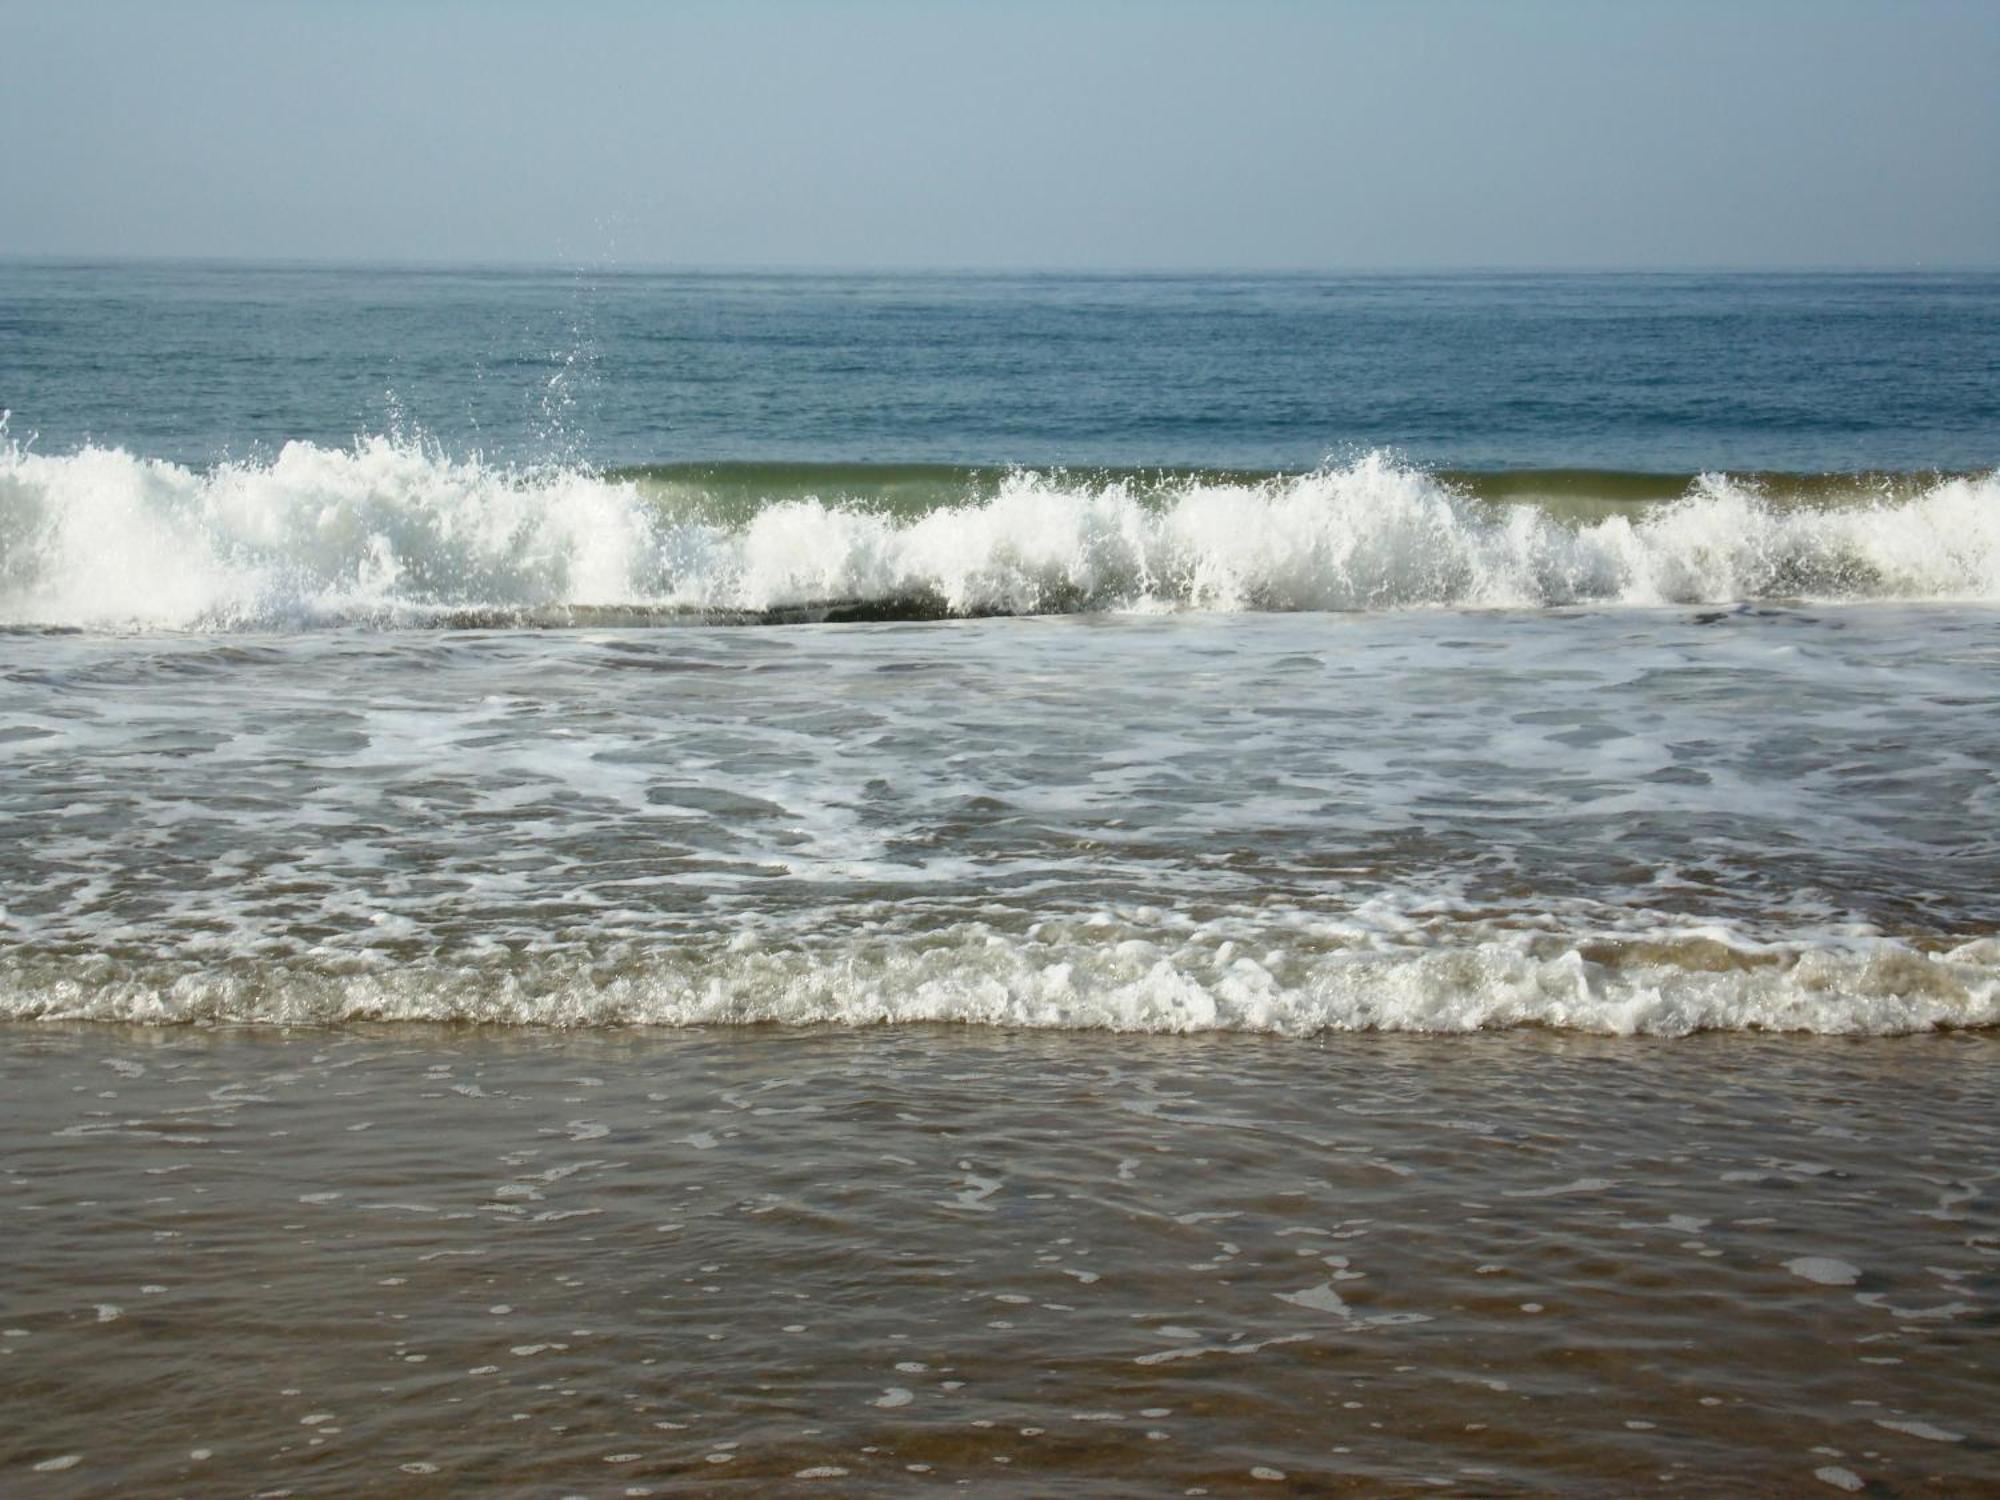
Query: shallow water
pixel 415 1260
pixel 1620 821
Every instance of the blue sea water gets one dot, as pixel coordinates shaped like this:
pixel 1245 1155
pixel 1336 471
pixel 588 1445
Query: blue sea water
pixel 1658 373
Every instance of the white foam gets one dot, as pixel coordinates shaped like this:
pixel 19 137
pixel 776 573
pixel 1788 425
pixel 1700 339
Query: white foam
pixel 1824 1270
pixel 389 531
pixel 1475 978
pixel 1928 1431
pixel 1321 1298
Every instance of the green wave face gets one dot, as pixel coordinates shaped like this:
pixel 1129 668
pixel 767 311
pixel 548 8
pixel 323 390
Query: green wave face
pixel 732 492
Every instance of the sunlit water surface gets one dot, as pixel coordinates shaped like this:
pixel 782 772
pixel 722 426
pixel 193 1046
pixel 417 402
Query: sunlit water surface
pixel 412 1260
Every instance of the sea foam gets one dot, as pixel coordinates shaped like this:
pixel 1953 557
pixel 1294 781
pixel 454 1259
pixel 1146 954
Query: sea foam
pixel 1070 976
pixel 393 533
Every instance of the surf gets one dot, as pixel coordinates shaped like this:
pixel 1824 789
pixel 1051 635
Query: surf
pixel 1108 973
pixel 399 534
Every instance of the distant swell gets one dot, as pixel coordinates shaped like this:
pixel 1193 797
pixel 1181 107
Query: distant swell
pixel 393 534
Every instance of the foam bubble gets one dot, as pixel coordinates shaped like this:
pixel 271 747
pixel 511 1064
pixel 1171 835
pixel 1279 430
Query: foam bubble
pixel 1824 1270
pixel 1928 1431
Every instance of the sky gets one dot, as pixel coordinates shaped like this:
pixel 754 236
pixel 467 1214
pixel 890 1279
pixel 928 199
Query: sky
pixel 1089 134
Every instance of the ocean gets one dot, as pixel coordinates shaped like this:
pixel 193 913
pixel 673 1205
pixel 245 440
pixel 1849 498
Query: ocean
pixel 634 883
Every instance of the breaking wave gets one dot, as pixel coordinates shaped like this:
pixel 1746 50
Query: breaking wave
pixel 1073 977
pixel 393 533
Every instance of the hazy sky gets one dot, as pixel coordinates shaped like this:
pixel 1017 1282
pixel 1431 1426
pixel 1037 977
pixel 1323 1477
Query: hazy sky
pixel 1233 133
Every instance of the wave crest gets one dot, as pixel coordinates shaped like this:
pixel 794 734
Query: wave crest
pixel 391 533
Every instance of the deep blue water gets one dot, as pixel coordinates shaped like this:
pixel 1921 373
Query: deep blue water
pixel 1662 373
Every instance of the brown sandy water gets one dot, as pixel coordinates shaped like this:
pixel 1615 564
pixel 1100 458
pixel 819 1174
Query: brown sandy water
pixel 417 1261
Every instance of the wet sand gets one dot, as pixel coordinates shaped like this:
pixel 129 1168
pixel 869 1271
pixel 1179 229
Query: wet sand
pixel 438 1261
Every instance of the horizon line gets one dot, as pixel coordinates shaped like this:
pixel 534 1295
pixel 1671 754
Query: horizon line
pixel 613 267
